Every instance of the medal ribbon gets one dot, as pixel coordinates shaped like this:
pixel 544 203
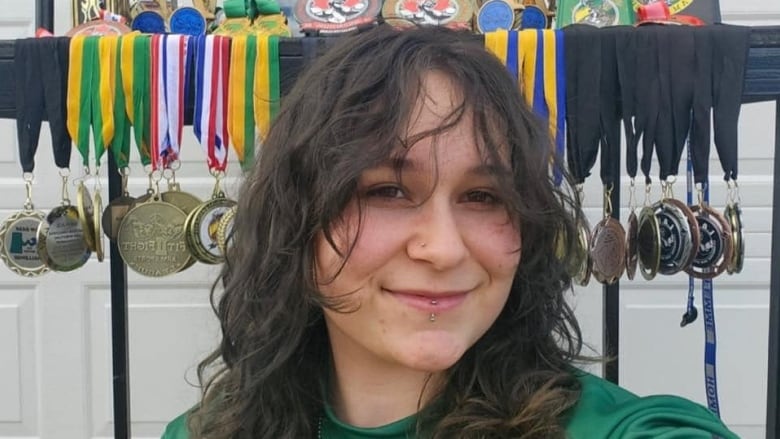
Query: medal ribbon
pixel 103 101
pixel 83 63
pixel 212 69
pixel 158 117
pixel 120 146
pixel 527 59
pixel 138 82
pixel 241 116
pixel 267 88
pixel 174 75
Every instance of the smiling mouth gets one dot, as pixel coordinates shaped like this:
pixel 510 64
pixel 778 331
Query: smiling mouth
pixel 429 302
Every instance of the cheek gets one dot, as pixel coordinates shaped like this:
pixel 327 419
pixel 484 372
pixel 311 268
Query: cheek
pixel 497 246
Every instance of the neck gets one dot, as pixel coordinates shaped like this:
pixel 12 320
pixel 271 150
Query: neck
pixel 367 393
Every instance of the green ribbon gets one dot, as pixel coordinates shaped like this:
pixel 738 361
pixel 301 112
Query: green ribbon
pixel 142 107
pixel 120 146
pixel 88 115
pixel 250 8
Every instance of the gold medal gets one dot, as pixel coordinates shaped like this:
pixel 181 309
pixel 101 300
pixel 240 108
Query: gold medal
pixel 583 269
pixel 97 210
pixel 714 251
pixel 61 241
pixel 19 235
pixel 151 239
pixel 202 227
pixel 183 200
pixel 225 229
pixel 733 215
pixel 648 243
pixel 113 214
pixel 632 255
pixel 607 250
pixel 85 211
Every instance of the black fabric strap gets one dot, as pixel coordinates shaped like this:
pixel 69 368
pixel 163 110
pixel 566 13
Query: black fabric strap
pixel 668 160
pixel 609 110
pixel 647 94
pixel 730 49
pixel 41 74
pixel 625 51
pixel 680 47
pixel 702 104
pixel 583 79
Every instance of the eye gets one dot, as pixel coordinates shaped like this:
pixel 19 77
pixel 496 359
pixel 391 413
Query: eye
pixel 483 197
pixel 387 191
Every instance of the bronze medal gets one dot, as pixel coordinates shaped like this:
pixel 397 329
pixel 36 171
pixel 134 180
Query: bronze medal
pixel 454 14
pixel 335 16
pixel 113 214
pixel 19 235
pixel 733 215
pixel 632 255
pixel 61 240
pixel 583 269
pixel 714 251
pixel 97 210
pixel 607 250
pixel 85 211
pixel 202 227
pixel 151 239
pixel 648 243
pixel 225 229
pixel 679 235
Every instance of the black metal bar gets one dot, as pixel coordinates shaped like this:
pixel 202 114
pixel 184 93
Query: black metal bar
pixel 119 340
pixel 611 300
pixel 44 14
pixel 773 378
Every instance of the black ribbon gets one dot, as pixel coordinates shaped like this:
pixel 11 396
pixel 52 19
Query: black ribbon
pixel 682 69
pixel 583 80
pixel 41 77
pixel 730 49
pixel 647 93
pixel 625 52
pixel 610 112
pixel 702 104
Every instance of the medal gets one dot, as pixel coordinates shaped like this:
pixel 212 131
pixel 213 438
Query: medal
pixel 151 239
pixel 86 212
pixel 714 251
pixel 97 209
pixel 607 245
pixel 679 235
pixel 202 228
pixel 583 269
pixel 648 243
pixel 733 215
pixel 494 15
pixel 61 241
pixel 335 16
pixel 632 238
pixel 19 235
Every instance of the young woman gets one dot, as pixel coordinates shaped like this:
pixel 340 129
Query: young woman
pixel 393 271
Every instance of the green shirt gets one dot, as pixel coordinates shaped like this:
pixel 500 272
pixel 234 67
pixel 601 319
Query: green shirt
pixel 604 411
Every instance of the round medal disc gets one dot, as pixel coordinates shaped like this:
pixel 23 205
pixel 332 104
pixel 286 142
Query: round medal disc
pixel 714 251
pixel 97 210
pixel 607 250
pixel 494 15
pixel 648 243
pixel 202 227
pixel 151 239
pixel 632 255
pixel 19 235
pixel 679 235
pixel 533 17
pixel 149 22
pixel 455 14
pixel 183 200
pixel 187 21
pixel 113 214
pixel 583 269
pixel 225 229
pixel 733 215
pixel 99 27
pixel 60 239
pixel 86 212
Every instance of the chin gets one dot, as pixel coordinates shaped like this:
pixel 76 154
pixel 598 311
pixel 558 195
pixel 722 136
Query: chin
pixel 433 353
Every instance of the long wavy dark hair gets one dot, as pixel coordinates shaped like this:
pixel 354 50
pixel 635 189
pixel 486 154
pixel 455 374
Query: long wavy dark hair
pixel 347 113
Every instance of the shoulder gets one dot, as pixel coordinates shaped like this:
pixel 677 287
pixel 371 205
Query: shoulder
pixel 608 411
pixel 177 429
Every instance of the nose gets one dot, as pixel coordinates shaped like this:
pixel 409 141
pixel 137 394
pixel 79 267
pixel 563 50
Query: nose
pixel 437 237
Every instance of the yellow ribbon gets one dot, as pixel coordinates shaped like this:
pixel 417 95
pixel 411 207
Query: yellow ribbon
pixel 126 59
pixel 75 73
pixel 550 80
pixel 236 94
pixel 527 59
pixel 262 87
pixel 108 51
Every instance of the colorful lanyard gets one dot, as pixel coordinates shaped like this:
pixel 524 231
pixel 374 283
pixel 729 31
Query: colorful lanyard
pixel 267 90
pixel 168 73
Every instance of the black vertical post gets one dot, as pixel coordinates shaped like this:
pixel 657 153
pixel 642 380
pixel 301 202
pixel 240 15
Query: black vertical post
pixel 773 378
pixel 119 344
pixel 611 296
pixel 44 14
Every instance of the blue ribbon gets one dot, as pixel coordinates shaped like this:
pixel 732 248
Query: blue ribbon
pixel 511 55
pixel 560 79
pixel 198 46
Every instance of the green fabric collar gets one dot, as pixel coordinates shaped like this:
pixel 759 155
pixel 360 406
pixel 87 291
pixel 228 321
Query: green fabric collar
pixel 332 428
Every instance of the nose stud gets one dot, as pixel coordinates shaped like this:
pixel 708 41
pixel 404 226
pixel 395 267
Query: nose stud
pixel 422 244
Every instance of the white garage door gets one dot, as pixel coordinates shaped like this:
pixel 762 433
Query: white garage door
pixel 55 335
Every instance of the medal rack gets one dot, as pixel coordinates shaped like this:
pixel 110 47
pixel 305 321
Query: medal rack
pixel 762 83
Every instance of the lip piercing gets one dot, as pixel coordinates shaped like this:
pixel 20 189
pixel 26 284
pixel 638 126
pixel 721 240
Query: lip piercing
pixel 433 317
pixel 434 302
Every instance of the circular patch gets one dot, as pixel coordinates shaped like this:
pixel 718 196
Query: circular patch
pixel 495 15
pixel 533 17
pixel 187 21
pixel 332 16
pixel 149 22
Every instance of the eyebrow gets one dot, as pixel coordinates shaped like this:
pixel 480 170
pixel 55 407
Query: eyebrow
pixel 406 164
